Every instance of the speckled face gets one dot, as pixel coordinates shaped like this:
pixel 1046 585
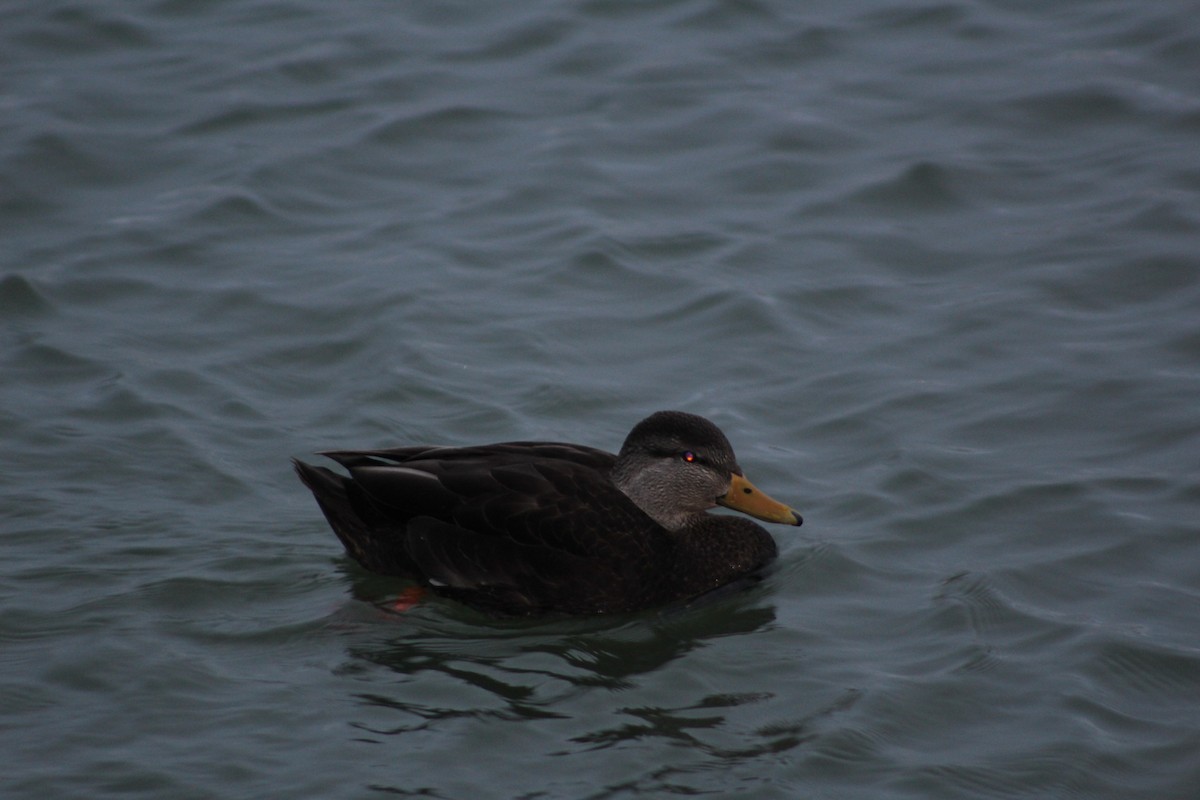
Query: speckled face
pixel 674 465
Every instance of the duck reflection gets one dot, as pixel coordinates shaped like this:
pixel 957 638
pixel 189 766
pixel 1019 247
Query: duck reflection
pixel 446 660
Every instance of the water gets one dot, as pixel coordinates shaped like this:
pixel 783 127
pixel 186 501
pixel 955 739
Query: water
pixel 932 267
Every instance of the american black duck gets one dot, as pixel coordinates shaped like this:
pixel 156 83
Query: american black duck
pixel 532 527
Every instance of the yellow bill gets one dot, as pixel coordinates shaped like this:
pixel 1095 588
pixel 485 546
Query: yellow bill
pixel 745 497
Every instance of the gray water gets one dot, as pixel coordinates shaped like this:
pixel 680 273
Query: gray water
pixel 933 267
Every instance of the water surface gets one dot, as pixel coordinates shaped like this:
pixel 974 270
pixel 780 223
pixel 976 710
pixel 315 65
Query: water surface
pixel 932 267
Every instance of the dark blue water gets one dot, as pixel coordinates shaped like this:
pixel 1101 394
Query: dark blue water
pixel 932 267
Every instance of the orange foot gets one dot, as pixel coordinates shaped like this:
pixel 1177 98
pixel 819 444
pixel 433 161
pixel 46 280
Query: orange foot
pixel 408 599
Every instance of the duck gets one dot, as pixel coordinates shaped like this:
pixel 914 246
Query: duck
pixel 531 527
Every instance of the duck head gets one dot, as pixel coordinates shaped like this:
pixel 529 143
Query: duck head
pixel 675 466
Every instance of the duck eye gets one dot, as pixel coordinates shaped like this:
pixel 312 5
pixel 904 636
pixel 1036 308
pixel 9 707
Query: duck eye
pixel 688 456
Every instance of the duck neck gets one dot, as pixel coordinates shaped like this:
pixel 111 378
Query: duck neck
pixel 652 496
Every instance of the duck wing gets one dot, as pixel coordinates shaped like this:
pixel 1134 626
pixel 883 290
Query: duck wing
pixel 518 527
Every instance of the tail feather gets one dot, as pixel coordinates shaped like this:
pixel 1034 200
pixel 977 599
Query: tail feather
pixel 373 543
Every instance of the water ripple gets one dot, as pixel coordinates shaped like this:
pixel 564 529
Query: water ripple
pixel 932 267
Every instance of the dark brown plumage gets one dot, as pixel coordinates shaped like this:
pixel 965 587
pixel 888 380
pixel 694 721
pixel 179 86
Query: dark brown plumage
pixel 532 527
